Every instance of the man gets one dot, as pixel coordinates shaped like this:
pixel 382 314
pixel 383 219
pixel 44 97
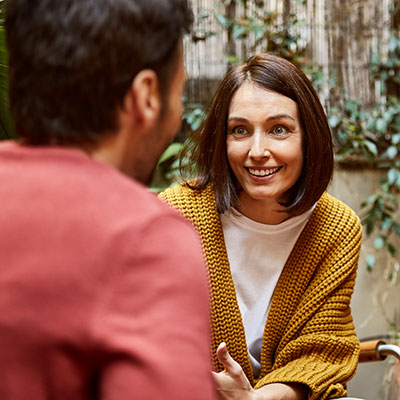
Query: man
pixel 102 286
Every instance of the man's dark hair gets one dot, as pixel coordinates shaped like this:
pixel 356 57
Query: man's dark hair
pixel 208 148
pixel 71 62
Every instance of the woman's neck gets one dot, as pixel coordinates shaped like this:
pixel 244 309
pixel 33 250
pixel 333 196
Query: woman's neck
pixel 266 211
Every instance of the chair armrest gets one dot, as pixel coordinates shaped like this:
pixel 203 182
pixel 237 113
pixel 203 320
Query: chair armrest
pixel 369 351
pixel 377 350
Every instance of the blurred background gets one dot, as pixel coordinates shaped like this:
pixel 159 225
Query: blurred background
pixel 350 49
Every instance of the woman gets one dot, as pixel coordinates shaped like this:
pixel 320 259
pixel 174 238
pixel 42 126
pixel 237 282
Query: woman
pixel 282 254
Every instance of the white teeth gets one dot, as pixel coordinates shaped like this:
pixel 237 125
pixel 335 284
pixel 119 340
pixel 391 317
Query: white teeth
pixel 263 172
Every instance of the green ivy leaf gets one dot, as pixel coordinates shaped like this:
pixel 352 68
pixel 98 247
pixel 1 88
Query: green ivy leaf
pixel 370 222
pixel 239 30
pixel 375 58
pixel 396 228
pixel 370 124
pixel 388 115
pixel 172 151
pixel 386 223
pixel 396 138
pixel 223 21
pixel 334 121
pixel 370 199
pixel 259 31
pixel 232 59
pixel 351 127
pixel 392 44
pixel 351 106
pixel 381 125
pixel 379 242
pixel 371 146
pixel 392 176
pixel 370 262
pixel 392 152
pixel 380 205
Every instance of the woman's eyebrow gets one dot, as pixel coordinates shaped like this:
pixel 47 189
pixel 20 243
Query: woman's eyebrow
pixel 280 116
pixel 239 119
pixel 271 118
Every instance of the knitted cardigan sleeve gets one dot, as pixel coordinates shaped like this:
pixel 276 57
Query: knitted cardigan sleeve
pixel 311 331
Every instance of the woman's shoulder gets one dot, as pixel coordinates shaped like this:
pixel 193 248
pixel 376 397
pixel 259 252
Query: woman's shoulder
pixel 333 227
pixel 183 191
pixel 187 198
pixel 331 214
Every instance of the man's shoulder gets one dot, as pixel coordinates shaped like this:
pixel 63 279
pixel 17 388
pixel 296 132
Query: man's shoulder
pixel 69 187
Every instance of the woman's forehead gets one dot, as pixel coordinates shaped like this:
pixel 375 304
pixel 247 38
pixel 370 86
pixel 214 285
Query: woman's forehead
pixel 253 97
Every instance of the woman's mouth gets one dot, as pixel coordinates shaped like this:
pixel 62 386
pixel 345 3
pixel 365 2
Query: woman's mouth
pixel 263 172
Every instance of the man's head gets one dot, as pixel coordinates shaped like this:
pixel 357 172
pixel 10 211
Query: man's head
pixel 72 63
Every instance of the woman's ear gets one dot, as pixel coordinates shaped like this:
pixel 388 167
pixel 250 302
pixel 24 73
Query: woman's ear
pixel 144 98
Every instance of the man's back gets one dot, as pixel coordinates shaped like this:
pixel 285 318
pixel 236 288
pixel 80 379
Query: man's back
pixel 101 285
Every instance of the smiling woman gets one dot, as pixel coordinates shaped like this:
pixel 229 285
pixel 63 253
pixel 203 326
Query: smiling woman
pixel 281 253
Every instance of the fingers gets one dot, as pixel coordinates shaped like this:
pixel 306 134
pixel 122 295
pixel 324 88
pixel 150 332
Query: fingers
pixel 222 352
pixel 231 366
pixel 232 383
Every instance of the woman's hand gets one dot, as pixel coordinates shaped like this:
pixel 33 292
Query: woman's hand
pixel 232 383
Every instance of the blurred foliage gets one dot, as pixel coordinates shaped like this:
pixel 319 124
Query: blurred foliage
pixel 172 161
pixel 167 170
pixel 6 125
pixel 373 133
pixel 386 69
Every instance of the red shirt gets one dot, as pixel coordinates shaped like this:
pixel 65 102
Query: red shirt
pixel 102 286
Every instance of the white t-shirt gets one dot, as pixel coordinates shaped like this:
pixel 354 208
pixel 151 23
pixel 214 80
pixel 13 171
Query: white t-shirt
pixel 257 254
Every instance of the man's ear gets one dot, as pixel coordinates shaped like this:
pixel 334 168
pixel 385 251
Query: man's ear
pixel 144 96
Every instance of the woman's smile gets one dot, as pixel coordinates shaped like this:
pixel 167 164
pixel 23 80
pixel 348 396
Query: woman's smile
pixel 263 172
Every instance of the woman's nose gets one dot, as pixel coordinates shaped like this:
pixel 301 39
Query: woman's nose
pixel 259 148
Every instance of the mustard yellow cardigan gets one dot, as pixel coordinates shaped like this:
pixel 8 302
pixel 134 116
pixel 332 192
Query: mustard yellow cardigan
pixel 309 336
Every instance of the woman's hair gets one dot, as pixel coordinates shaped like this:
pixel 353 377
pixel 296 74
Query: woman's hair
pixel 208 145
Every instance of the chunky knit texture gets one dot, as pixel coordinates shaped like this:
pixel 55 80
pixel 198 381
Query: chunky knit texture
pixel 309 336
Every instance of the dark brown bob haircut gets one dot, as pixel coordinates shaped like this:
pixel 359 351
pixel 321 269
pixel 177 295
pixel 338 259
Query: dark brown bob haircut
pixel 208 146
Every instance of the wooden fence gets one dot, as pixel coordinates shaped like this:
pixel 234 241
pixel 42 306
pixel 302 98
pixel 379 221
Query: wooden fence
pixel 338 35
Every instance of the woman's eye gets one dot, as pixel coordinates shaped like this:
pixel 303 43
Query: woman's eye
pixel 239 131
pixel 280 131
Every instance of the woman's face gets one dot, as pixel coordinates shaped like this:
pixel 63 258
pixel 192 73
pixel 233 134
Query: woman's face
pixel 264 144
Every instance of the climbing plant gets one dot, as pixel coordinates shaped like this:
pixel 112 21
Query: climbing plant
pixel 373 133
